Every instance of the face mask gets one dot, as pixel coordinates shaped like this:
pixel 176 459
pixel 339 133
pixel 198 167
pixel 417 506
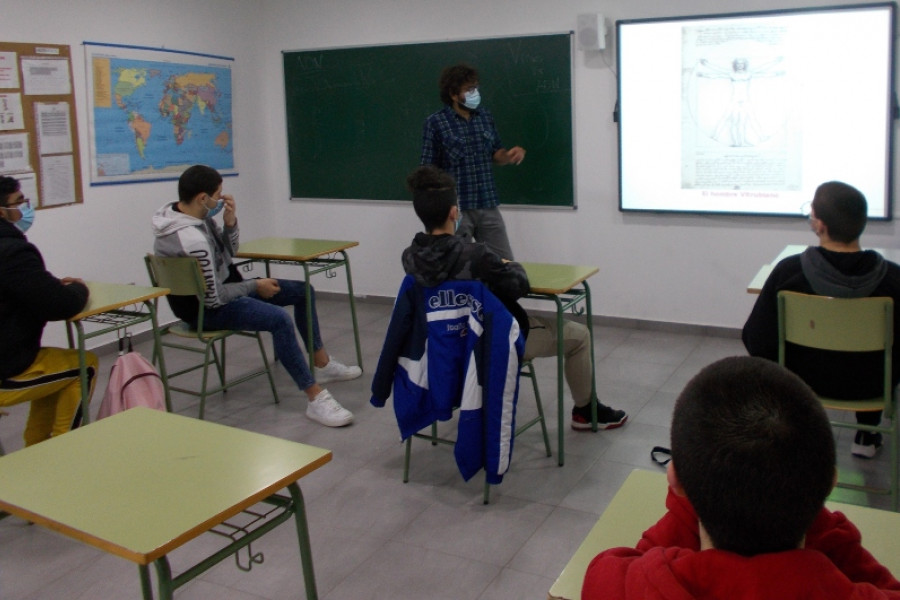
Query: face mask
pixel 458 221
pixel 27 217
pixel 211 212
pixel 472 99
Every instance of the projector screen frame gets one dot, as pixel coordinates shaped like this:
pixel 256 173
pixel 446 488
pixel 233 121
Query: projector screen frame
pixel 708 87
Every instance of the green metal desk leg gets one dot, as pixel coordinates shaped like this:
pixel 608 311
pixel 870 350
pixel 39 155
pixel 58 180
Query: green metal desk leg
pixel 82 372
pixel 164 579
pixel 309 321
pixel 352 309
pixel 590 325
pixel 309 576
pixel 146 588
pixel 560 391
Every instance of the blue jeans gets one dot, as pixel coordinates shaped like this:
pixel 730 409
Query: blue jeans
pixel 252 313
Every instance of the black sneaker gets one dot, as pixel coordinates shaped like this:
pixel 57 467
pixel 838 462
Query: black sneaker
pixel 607 418
pixel 866 444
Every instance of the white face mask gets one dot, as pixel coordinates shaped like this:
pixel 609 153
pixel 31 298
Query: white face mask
pixel 472 99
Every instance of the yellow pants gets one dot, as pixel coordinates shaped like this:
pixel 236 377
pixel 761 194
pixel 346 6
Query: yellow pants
pixel 53 386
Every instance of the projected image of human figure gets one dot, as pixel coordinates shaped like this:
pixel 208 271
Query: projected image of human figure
pixel 740 123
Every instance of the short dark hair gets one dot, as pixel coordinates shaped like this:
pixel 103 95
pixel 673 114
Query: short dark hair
pixel 754 452
pixel 8 187
pixel 434 194
pixel 453 79
pixel 842 208
pixel 198 179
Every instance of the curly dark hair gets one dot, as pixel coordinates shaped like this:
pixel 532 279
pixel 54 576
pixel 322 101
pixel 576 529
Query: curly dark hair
pixel 453 79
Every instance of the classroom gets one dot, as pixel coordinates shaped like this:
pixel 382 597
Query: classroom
pixel 675 276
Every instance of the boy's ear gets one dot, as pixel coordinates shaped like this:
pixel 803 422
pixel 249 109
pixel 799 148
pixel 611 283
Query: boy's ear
pixel 672 478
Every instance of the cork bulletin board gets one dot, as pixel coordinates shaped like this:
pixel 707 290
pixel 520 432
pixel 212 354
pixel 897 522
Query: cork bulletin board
pixel 38 128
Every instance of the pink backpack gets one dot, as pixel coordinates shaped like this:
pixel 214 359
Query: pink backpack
pixel 133 381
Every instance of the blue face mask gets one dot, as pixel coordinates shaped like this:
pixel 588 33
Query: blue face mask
pixel 27 219
pixel 458 221
pixel 472 99
pixel 216 209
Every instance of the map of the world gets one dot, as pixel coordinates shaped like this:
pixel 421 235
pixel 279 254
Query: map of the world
pixel 154 113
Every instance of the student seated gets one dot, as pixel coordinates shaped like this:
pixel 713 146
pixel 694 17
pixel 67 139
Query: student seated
pixel 752 463
pixel 30 296
pixel 836 267
pixel 438 255
pixel 187 228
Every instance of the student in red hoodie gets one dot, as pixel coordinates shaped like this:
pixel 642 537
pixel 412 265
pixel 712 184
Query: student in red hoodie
pixel 752 463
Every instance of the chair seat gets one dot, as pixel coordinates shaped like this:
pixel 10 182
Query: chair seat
pixel 182 329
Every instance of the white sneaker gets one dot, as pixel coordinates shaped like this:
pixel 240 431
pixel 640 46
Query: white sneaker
pixel 326 410
pixel 336 371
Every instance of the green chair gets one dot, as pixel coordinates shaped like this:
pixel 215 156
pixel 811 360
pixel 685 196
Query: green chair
pixel 527 370
pixel 183 277
pixel 847 325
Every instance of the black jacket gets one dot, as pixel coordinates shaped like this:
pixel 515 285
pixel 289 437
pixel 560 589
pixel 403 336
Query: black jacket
pixel 29 298
pixel 838 375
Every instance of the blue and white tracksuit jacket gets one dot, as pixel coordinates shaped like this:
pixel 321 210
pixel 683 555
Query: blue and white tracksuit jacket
pixel 454 345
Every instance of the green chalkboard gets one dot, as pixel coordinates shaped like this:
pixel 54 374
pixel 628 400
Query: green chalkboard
pixel 355 115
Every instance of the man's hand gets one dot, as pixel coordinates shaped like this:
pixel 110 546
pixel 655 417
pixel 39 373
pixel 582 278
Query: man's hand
pixel 230 214
pixel 68 280
pixel 266 288
pixel 515 155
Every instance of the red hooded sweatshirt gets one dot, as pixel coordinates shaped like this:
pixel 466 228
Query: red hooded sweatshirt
pixel 668 564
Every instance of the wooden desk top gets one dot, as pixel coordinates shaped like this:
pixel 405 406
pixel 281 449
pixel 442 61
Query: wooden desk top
pixel 143 482
pixel 547 278
pixel 641 501
pixel 291 249
pixel 105 297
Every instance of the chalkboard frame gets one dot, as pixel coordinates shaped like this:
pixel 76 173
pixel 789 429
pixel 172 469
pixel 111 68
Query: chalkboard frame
pixel 354 130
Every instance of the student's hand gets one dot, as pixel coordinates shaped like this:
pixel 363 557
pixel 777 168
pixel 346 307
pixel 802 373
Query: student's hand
pixel 515 155
pixel 68 280
pixel 230 214
pixel 266 288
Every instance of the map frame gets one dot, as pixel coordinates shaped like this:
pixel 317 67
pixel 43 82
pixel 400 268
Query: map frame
pixel 126 172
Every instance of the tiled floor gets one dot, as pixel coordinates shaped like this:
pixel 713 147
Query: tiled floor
pixel 375 537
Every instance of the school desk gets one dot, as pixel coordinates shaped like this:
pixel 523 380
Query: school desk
pixel 566 286
pixel 114 307
pixel 315 256
pixel 641 502
pixel 142 483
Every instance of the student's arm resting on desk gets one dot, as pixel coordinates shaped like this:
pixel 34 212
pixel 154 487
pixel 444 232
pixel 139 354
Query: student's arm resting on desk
pixel 506 279
pixel 836 537
pixel 27 282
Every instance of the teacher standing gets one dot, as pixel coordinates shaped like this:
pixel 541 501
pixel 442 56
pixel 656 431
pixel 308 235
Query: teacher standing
pixel 461 139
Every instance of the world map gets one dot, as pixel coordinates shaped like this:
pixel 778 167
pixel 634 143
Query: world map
pixel 153 119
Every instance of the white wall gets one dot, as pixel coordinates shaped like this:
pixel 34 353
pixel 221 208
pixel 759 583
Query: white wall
pixel 683 269
pixel 106 237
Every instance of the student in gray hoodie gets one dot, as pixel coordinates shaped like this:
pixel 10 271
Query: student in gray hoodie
pixel 837 267
pixel 187 228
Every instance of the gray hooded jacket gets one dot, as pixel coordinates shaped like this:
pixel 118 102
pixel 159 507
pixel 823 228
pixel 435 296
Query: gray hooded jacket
pixel 178 234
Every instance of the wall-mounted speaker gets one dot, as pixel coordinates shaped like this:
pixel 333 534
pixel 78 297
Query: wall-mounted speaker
pixel 590 32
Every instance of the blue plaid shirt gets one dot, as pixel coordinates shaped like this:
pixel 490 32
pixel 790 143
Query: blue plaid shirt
pixel 465 149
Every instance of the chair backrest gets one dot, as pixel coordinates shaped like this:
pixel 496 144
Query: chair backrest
pixel 181 275
pixel 838 324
